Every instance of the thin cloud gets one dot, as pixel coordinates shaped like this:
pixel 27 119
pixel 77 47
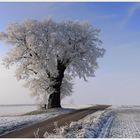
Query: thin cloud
pixel 132 10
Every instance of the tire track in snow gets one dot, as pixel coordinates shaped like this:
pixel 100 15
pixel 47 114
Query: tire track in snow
pixel 106 128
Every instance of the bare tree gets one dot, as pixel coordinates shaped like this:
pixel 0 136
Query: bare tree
pixel 48 55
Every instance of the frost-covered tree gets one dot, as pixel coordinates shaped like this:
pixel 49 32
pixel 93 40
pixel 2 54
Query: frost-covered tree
pixel 48 55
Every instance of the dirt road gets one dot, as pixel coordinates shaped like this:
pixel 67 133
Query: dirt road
pixel 48 125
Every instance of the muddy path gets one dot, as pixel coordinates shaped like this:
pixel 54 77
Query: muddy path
pixel 49 125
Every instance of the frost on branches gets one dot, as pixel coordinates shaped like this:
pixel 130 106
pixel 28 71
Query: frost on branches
pixel 48 55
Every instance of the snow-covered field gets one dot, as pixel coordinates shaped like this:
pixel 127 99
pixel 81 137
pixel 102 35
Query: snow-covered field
pixel 8 124
pixel 126 123
pixel 12 110
pixel 114 122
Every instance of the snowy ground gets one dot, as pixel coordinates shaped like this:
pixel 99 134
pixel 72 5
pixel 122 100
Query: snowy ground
pixel 88 127
pixel 8 124
pixel 11 123
pixel 115 122
pixel 126 123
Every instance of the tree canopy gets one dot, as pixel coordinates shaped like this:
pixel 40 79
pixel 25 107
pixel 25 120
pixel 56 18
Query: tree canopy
pixel 47 52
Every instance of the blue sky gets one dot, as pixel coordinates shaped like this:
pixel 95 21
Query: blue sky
pixel 117 79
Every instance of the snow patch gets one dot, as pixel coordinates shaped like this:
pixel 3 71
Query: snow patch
pixel 77 106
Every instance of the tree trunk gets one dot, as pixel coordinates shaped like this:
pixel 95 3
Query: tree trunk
pixel 54 100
